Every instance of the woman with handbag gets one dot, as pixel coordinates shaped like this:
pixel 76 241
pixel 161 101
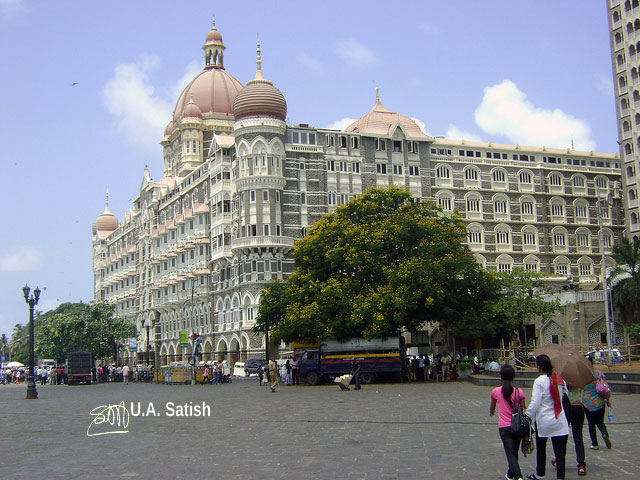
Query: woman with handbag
pixel 508 400
pixel 546 410
pixel 594 408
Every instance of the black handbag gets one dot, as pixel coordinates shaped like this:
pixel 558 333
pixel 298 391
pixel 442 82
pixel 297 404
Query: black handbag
pixel 520 423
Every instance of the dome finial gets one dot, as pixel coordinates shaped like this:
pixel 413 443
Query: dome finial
pixel 377 95
pixel 213 23
pixel 259 75
pixel 106 199
pixel 191 97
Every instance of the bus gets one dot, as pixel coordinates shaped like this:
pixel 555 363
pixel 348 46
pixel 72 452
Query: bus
pixel 379 358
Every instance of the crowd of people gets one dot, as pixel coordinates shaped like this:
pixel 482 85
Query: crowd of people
pixel 553 409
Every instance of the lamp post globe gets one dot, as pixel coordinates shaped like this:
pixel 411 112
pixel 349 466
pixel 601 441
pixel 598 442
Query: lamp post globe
pixel 32 301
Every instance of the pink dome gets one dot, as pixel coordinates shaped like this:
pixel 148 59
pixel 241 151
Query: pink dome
pixel 260 99
pixel 106 222
pixel 212 90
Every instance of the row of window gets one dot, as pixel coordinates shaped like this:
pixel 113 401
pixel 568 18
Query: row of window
pixel 559 237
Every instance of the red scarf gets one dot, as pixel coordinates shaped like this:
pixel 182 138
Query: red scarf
pixel 554 381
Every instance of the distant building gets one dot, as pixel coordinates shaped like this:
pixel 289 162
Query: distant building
pixel 239 187
pixel 624 30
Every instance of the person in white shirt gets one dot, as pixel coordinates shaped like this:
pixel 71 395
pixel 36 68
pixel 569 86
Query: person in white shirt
pixel 125 374
pixel 545 409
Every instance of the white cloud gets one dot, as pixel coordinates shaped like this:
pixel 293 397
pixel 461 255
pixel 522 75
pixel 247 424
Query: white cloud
pixel 355 53
pixel 189 72
pixel 22 259
pixel 310 63
pixel 454 133
pixel 605 85
pixel 421 124
pixel 429 28
pixel 341 124
pixel 48 304
pixel 141 113
pixel 506 111
pixel 10 9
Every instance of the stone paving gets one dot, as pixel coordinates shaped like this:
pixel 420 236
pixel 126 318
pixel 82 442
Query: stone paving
pixel 382 432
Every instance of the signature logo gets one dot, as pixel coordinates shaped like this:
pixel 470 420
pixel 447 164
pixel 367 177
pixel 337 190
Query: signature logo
pixel 116 416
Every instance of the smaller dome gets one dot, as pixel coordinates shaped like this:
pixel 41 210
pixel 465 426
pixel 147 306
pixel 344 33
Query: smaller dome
pixel 259 98
pixel 192 110
pixel 168 129
pixel 106 221
pixel 214 35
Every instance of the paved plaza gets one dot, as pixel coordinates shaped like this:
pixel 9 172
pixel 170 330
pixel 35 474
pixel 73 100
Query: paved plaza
pixel 382 432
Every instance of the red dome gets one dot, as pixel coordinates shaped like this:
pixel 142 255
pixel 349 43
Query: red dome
pixel 168 129
pixel 260 99
pixel 107 222
pixel 192 111
pixel 213 91
pixel 213 36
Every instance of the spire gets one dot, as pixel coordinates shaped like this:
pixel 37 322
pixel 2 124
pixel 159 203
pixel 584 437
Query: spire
pixel 213 48
pixel 259 76
pixel 377 95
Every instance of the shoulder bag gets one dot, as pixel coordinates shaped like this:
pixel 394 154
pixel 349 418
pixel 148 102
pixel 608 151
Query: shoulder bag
pixel 520 423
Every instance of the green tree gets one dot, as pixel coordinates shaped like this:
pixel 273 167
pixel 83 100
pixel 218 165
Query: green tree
pixel 626 291
pixel 81 327
pixel 522 300
pixel 376 266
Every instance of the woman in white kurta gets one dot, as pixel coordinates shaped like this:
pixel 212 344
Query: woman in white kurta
pixel 545 409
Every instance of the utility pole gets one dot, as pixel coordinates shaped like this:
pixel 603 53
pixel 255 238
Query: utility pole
pixel 602 204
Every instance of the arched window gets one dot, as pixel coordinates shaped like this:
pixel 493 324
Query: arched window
pixel 529 238
pixel 629 27
pixel 471 177
pixel 475 236
pixel 583 239
pixel 527 208
pixel 503 237
pixel 501 206
pixel 581 210
pixel 620 60
pixel 561 266
pixel 616 16
pixel 633 218
pixel 632 50
pixel 445 201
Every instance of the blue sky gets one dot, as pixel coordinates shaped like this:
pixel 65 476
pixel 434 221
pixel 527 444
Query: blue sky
pixel 528 72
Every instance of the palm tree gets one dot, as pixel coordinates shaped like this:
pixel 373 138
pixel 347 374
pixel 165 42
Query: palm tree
pixel 626 292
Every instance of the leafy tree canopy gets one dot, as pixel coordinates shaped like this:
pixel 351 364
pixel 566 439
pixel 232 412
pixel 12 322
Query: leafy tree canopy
pixel 522 300
pixel 376 266
pixel 80 327
pixel 626 279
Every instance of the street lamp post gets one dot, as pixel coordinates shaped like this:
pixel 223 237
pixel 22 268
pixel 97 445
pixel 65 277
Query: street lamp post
pixel 32 392
pixel 602 204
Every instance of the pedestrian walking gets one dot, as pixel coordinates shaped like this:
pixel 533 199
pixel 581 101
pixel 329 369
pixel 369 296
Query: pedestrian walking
pixel 205 375
pixel 506 397
pixel 355 371
pixel 125 374
pixel 545 409
pixel 294 371
pixel 260 375
pixel 273 375
pixel 594 409
pixel 576 422
pixel 289 369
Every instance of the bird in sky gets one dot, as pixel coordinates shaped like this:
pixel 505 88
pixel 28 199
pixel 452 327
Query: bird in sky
pixel 74 84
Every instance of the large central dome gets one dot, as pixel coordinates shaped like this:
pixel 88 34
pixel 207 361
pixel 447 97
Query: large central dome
pixel 212 90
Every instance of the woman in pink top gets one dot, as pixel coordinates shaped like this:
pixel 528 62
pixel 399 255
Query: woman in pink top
pixel 506 397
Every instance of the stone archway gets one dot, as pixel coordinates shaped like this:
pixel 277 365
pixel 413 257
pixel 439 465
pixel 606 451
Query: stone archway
pixel 163 355
pixel 234 352
pixel 552 332
pixel 172 354
pixel 597 333
pixel 222 350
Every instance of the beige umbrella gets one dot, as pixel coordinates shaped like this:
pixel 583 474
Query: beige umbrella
pixel 569 363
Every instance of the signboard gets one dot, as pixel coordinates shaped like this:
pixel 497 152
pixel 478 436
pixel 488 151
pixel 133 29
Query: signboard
pixel 133 344
pixel 184 339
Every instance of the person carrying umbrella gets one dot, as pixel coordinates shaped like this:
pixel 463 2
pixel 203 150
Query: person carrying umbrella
pixel 594 408
pixel 577 371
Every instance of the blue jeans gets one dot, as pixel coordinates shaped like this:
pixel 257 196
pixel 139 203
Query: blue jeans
pixel 511 445
pixel 356 378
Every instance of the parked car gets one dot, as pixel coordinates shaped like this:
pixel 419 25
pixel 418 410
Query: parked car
pixel 252 365
pixel 601 356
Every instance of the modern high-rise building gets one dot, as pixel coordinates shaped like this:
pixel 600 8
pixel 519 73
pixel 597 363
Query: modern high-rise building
pixel 239 186
pixel 624 30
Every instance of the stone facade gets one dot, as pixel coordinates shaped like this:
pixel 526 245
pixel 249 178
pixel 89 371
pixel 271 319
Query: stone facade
pixel 201 243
